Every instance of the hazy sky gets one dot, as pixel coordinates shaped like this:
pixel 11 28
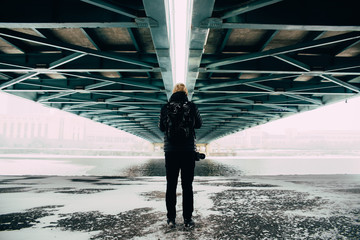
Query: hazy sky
pixel 339 116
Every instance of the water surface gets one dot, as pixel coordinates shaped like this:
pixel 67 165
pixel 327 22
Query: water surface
pixel 147 166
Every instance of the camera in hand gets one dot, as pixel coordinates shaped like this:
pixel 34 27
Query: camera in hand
pixel 199 156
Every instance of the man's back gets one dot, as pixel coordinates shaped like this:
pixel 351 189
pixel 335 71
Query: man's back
pixel 180 154
pixel 186 144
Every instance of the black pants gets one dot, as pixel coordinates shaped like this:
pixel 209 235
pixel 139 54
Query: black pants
pixel 174 162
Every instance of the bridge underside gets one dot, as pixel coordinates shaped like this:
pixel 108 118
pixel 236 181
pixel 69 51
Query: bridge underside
pixel 250 62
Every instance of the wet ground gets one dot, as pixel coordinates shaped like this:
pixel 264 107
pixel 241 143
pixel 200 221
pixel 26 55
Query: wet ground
pixel 226 207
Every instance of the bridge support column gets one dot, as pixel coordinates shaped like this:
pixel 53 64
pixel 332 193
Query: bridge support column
pixel 203 148
pixel 157 147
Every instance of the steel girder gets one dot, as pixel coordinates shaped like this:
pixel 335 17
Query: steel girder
pixel 257 61
pixel 250 62
pixel 105 60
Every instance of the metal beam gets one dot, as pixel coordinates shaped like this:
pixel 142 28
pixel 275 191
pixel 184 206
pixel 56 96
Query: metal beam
pixel 272 90
pixel 274 106
pixel 345 47
pixel 87 34
pixel 202 9
pixel 59 25
pixel 211 99
pixel 143 83
pixel 248 7
pixel 312 100
pixel 12 44
pixel 133 38
pixel 62 94
pixel 287 49
pixel 136 96
pixel 293 62
pixel 356 72
pixel 132 102
pixel 70 107
pixel 315 91
pixel 243 81
pixel 224 41
pixel 52 65
pixel 36 57
pixel 341 83
pixel 274 26
pixel 339 91
pixel 73 48
pixel 156 9
pixel 80 70
pixel 112 7
pixel 268 38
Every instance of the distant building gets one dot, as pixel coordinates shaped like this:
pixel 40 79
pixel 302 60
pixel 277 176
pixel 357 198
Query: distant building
pixel 291 139
pixel 64 131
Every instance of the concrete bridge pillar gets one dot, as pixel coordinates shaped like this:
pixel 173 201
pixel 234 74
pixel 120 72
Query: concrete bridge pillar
pixel 203 148
pixel 158 147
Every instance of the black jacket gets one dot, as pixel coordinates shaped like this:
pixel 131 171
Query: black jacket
pixel 188 145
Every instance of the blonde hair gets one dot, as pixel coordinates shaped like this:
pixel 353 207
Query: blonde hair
pixel 180 87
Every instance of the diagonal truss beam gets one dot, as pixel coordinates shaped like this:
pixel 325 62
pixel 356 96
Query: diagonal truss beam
pixel 143 84
pixel 244 81
pixel 136 96
pixel 73 48
pixel 287 49
pixel 327 77
pixel 341 83
pixel 67 93
pixel 356 72
pixel 20 49
pixel 273 26
pixel 293 62
pixel 250 102
pixel 74 25
pixel 248 7
pixel 112 7
pixel 272 90
pixel 52 65
pixel 219 98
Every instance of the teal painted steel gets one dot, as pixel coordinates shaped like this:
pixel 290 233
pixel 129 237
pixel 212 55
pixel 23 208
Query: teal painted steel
pixel 250 62
pixel 264 60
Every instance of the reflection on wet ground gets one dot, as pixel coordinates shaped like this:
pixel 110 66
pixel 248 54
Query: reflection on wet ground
pixel 278 214
pixel 228 205
pixel 280 207
pixel 271 207
pixel 206 167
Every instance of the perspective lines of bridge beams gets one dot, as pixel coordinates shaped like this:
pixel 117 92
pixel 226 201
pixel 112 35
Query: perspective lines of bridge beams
pixel 252 62
pixel 105 60
pixel 249 62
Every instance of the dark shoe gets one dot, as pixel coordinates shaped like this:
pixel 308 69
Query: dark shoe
pixel 171 223
pixel 189 223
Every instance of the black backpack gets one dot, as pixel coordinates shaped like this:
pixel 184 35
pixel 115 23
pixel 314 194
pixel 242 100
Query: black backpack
pixel 179 121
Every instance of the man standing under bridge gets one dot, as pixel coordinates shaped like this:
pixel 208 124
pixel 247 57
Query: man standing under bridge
pixel 178 120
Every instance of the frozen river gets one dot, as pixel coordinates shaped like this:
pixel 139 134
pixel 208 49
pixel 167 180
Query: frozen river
pixel 154 166
pixel 96 198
